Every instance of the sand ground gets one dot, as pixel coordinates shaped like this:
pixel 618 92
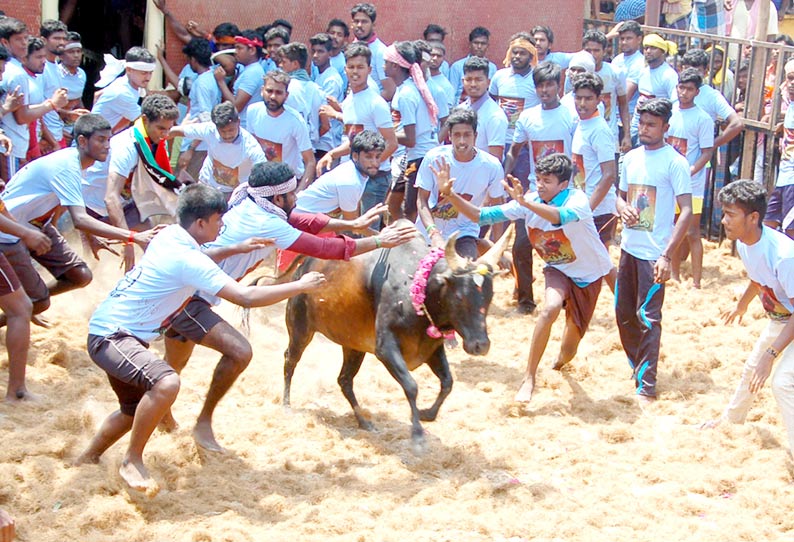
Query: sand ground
pixel 583 462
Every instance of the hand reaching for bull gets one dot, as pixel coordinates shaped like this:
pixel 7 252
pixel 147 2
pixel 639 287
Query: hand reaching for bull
pixel 395 235
pixel 514 189
pixel 362 223
pixel 441 170
pixel 311 281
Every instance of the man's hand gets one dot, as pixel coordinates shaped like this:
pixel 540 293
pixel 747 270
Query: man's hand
pixel 96 244
pixel 629 216
pixel 625 144
pixel 395 235
pixel 324 163
pixel 36 241
pixel 330 112
pixel 6 142
pixel 254 243
pixel 362 223
pixel 13 101
pixel 194 29
pixel 59 98
pixel 184 159
pixel 143 238
pixel 311 281
pixel 441 169
pixel 220 75
pixel 514 189
pixel 728 317
pixel 661 270
pixel 761 373
pixel 334 103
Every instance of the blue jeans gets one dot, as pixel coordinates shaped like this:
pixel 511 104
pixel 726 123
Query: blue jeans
pixel 375 192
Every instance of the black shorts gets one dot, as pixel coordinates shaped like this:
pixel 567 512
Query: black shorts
pixel 781 201
pixel 131 368
pixel 606 226
pixel 407 178
pixel 9 282
pixel 193 322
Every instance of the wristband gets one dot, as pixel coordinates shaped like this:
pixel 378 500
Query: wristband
pixel 431 228
pixel 772 352
pixel 130 238
pixel 377 242
pixel 664 257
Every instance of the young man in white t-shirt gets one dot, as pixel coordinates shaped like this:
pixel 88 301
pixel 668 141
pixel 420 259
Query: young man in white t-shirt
pixel 363 25
pixel 560 222
pixel 363 109
pixel 658 79
pixel 231 150
pixel 768 257
pixel 54 34
pixel 282 132
pixel 438 52
pixel 331 85
pixel 119 101
pixel 629 63
pixel 305 96
pixel 340 190
pixel 593 148
pixel 478 175
pixel 414 115
pixel 140 309
pixel 512 87
pixel 247 88
pixel 542 130
pixel 73 78
pixel 653 179
pixel 492 122
pixel 479 39
pixel 691 133
pixel 34 195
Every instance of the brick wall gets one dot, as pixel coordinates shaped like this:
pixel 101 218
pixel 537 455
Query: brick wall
pixel 27 11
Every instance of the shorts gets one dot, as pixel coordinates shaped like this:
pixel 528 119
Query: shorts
pixel 579 303
pixel 407 177
pixel 60 259
pixel 781 201
pixel 467 247
pixel 606 226
pixel 697 206
pixel 131 215
pixel 9 281
pixel 193 322
pixel 131 368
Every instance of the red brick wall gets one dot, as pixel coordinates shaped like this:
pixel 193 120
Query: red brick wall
pixel 27 11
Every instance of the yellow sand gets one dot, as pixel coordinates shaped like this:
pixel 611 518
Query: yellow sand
pixel 582 463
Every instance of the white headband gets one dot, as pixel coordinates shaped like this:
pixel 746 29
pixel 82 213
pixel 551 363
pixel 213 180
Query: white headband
pixel 73 45
pixel 115 67
pixel 140 66
pixel 216 54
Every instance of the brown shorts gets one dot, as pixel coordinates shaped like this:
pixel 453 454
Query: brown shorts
pixel 131 215
pixel 9 282
pixel 579 303
pixel 60 259
pixel 131 368
pixel 606 226
pixel 193 322
pixel 467 247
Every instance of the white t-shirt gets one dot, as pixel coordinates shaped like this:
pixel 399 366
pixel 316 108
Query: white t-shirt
pixel 456 76
pixel 690 131
pixel 34 193
pixel 118 101
pixel 250 81
pixel 614 86
pixel 378 48
pixel 651 181
pixel 631 68
pixel 36 96
pixel 514 93
pixel 479 178
pixel 659 82
pixel 442 81
pixel 145 300
pixel 713 103
pixel 559 58
pixel 15 76
pixel 51 82
pixel 227 164
pixel 283 138
pixel 785 176
pixel 365 110
pixel 545 131
pixel 74 83
pixel 338 62
pixel 339 189
pixel 440 98
pixel 409 108
pixel 331 84
pixel 572 247
pixel 770 263
pixel 242 222
pixel 306 98
pixel 204 94
pixel 591 147
pixel 491 122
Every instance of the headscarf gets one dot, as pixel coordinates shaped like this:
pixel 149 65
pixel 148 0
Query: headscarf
pixel 259 195
pixel 521 43
pixel 583 59
pixel 391 55
pixel 655 40
pixel 115 67
pixel 717 78
pixel 248 42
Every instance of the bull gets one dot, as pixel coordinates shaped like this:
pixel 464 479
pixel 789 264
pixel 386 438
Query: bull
pixel 366 306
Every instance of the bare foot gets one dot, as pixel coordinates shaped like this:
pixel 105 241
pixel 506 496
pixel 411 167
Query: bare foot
pixel 676 278
pixel 696 285
pixel 560 364
pixel 710 424
pixel 168 424
pixel 205 438
pixel 40 321
pixel 86 458
pixel 20 395
pixel 524 394
pixel 137 477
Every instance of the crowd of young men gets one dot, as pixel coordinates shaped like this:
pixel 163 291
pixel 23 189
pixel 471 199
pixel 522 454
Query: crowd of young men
pixel 287 155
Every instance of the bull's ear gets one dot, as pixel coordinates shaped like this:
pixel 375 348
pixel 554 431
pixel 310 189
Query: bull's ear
pixel 495 252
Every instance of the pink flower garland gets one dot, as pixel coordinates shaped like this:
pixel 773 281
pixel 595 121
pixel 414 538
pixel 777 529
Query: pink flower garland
pixel 419 292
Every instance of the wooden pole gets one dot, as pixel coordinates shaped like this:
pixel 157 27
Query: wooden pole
pixel 154 33
pixel 653 10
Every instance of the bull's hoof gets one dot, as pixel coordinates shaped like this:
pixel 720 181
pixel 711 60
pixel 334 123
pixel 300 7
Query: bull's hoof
pixel 428 415
pixel 366 425
pixel 418 442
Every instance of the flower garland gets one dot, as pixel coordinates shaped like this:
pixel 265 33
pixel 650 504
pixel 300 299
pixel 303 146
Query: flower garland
pixel 419 292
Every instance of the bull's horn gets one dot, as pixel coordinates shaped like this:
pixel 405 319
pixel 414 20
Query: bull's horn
pixel 454 260
pixel 495 252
